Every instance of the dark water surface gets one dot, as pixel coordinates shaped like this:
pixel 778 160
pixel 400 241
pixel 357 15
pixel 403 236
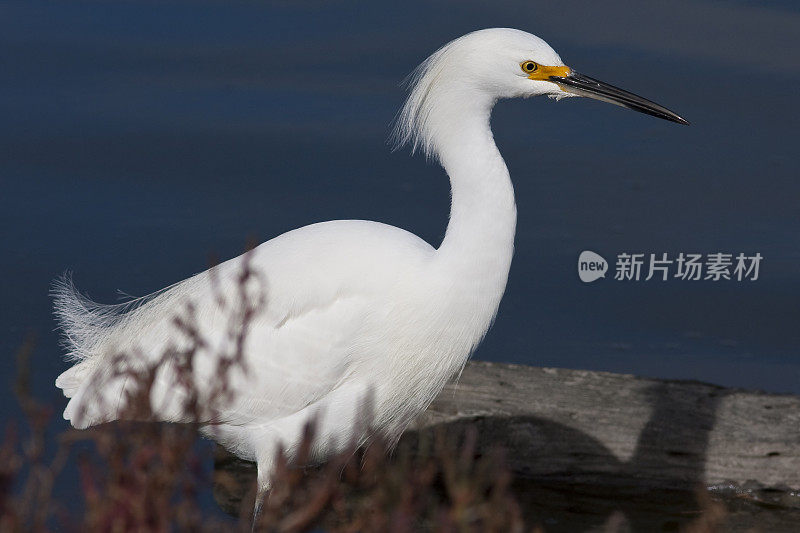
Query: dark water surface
pixel 138 139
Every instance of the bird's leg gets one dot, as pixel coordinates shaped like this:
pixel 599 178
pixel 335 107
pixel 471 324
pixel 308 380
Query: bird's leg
pixel 262 490
pixel 261 494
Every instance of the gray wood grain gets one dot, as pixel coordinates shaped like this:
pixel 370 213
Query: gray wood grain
pixel 597 426
pixel 586 446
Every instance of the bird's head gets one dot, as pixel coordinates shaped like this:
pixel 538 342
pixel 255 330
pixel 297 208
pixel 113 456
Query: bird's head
pixel 486 65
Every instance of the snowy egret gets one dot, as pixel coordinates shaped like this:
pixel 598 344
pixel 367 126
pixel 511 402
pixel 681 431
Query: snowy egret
pixel 353 308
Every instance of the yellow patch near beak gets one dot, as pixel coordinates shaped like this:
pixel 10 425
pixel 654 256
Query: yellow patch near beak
pixel 543 72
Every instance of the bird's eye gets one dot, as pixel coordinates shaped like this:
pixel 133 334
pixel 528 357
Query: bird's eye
pixel 529 66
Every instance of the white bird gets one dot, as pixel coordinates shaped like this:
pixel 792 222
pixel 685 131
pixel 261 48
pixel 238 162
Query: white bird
pixel 353 309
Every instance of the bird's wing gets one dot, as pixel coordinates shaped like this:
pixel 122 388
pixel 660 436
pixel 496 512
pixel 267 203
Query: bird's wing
pixel 293 364
pixel 318 293
pixel 273 364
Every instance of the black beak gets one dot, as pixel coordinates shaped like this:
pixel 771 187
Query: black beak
pixel 585 86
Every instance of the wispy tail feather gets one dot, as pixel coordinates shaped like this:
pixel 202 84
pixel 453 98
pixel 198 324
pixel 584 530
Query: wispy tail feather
pixel 86 325
pixel 90 332
pixel 87 329
pixel 83 322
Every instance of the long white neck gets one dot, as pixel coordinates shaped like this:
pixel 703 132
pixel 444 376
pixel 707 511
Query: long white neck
pixel 479 242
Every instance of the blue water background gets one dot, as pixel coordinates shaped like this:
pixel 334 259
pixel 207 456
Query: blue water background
pixel 140 139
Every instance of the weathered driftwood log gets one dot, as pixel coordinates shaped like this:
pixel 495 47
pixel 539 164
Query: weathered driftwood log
pixel 596 426
pixel 582 439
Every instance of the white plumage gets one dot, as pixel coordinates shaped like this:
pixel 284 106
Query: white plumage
pixel 352 308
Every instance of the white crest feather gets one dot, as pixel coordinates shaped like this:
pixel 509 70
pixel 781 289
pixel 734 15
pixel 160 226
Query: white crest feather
pixel 464 77
pixel 413 122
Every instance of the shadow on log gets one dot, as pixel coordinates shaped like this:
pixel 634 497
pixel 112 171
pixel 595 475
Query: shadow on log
pixel 594 427
pixel 586 445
